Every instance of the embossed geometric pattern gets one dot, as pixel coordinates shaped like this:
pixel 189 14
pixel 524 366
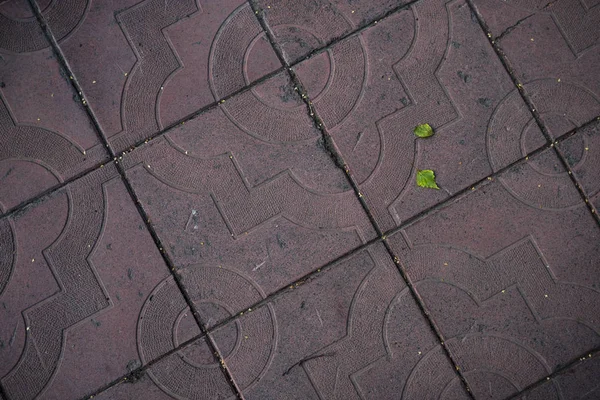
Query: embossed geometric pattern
pixel 405 72
pixel 582 152
pixel 166 59
pixel 578 382
pixel 553 48
pixel 218 199
pixel 45 134
pixel 73 302
pixel 302 26
pixel 258 204
pixel 353 333
pixel 510 289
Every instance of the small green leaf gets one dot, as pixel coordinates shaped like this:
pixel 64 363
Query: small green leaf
pixel 426 179
pixel 423 130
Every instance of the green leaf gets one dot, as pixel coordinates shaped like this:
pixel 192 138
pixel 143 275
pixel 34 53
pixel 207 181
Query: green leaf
pixel 423 130
pixel 426 179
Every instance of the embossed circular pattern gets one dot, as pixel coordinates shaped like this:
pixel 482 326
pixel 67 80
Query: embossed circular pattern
pixel 20 35
pixel 262 119
pixel 7 251
pixel 510 134
pixel 198 353
pixel 165 322
pixel 21 9
pixel 508 360
pixel 281 95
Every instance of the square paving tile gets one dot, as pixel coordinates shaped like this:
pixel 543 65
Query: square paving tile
pixel 145 65
pixel 553 49
pixel 351 332
pixel 373 89
pixel 78 276
pixel 582 152
pixel 509 273
pixel 301 26
pixel 187 374
pixel 240 201
pixel 578 382
pixel 45 134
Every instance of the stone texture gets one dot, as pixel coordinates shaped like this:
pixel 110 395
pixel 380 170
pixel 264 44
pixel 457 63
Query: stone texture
pixel 45 134
pixel 301 26
pixel 553 49
pixel 578 382
pixel 509 273
pixel 77 275
pixel 145 65
pixel 243 206
pixel 225 253
pixel 582 152
pixel 189 373
pixel 354 332
pixel 401 73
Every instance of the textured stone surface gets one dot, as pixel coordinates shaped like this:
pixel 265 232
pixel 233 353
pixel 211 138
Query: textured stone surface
pixel 301 26
pixel 73 291
pixel 553 49
pixel 225 253
pixel 189 373
pixel 401 73
pixel 582 152
pixel 243 206
pixel 165 60
pixel 45 134
pixel 509 273
pixel 577 382
pixel 354 332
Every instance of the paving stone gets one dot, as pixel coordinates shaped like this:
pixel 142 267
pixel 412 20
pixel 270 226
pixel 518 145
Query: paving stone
pixel 301 26
pixel 244 205
pixel 78 272
pixel 353 331
pixel 509 274
pixel 553 49
pixel 145 65
pixel 189 373
pixel 398 74
pixel 265 234
pixel 582 152
pixel 578 382
pixel 45 134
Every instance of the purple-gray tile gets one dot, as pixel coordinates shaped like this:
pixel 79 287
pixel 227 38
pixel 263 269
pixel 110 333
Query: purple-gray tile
pixel 509 274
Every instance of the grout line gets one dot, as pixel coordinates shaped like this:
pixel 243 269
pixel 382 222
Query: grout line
pixel 330 146
pixel 138 373
pixel 558 372
pixel 307 278
pixel 46 194
pixel 474 186
pixel 279 70
pixel 134 375
pixel 203 110
pixel 535 113
pixel 337 158
pixel 170 264
pixel 166 258
pixel 62 60
pixel 333 263
pixel 332 42
pixel 215 104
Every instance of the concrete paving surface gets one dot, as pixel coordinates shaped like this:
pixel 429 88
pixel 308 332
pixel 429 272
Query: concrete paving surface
pixel 205 199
